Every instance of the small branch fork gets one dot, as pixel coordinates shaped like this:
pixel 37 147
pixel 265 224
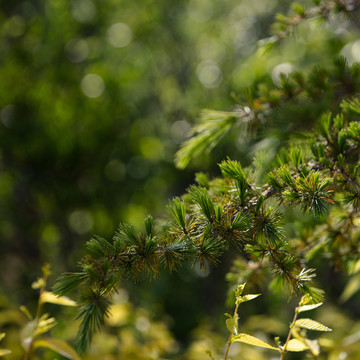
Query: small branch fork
pixel 349 179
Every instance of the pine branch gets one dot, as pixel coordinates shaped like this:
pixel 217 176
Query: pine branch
pixel 307 98
pixel 211 128
pixel 235 209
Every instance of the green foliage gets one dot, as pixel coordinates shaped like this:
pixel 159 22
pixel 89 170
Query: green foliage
pixel 58 346
pixel 232 210
pixel 233 327
pixel 202 198
pixel 311 325
pixel 298 341
pixel 178 211
pixel 212 127
pixel 31 335
pixel 295 341
pixel 90 125
pixel 92 315
pixel 233 170
pixel 251 340
pixel 4 352
pixel 283 215
pixel 68 282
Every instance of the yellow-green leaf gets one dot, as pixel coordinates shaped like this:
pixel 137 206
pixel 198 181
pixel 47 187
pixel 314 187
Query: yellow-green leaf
pixel 25 311
pixel 38 284
pixel 311 325
pixel 232 323
pixel 44 324
pixel 296 345
pixel 251 340
pixel 27 334
pixel 308 307
pixel 354 268
pixel 4 352
pixel 248 297
pixel 352 287
pixel 314 346
pixel 59 346
pixel 49 297
pixel 239 290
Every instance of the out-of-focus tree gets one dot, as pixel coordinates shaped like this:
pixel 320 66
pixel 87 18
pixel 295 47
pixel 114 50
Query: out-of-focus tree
pixel 95 98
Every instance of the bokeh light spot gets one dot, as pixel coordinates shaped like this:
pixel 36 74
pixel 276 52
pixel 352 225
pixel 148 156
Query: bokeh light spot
pixel 245 32
pixel 119 314
pixel 121 296
pixel 351 52
pixel 7 115
pixel 179 131
pixel 210 48
pixel 83 11
pixel 115 170
pixel 119 35
pixel 27 10
pixel 50 234
pixel 81 221
pixel 209 74
pixel 284 68
pixel 92 85
pixel 200 10
pixel 15 26
pixel 355 50
pixel 77 50
pixel 138 167
pixel 135 214
pixel 151 148
pixel 142 324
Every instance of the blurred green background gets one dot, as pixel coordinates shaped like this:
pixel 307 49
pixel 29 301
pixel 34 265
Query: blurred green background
pixel 95 99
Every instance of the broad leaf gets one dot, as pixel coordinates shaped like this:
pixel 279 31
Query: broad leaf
pixel 44 324
pixel 4 352
pixel 311 325
pixel 245 298
pixel 27 334
pixel 59 346
pixel 351 288
pixel 239 290
pixel 232 323
pixel 296 345
pixel 49 297
pixel 26 312
pixel 307 307
pixel 314 346
pixel 39 283
pixel 251 340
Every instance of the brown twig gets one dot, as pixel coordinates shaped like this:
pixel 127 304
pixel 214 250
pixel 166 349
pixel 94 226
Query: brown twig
pixel 283 352
pixel 230 337
pixel 347 177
